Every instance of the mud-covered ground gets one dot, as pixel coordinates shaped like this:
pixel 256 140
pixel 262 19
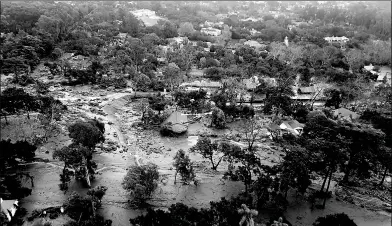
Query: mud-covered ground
pixel 125 141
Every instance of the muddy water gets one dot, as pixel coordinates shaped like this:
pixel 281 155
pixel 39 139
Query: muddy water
pixel 112 168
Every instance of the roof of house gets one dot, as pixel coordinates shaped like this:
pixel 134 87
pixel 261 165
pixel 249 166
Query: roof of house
pixel 176 118
pixel 303 97
pixel 203 84
pixel 210 29
pixel 336 38
pixel 345 113
pixel 253 43
pixel 251 83
pixel 293 124
pixel 309 89
pixel 273 126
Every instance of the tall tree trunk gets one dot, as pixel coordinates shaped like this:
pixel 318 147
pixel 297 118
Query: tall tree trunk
pixel 93 207
pixel 325 180
pixel 175 177
pixel 326 191
pixel 383 176
pixel 87 176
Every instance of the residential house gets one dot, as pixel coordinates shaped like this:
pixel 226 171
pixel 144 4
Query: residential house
pixel 251 19
pixel 258 46
pixel 181 41
pixel 251 83
pixel 203 84
pixel 343 113
pixel 292 126
pixel 340 40
pixel 253 31
pixel 143 13
pixel 288 126
pixel 211 31
pixel 306 90
pixel 270 81
pixel 208 86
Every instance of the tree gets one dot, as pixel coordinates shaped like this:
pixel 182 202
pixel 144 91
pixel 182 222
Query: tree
pixel 186 29
pixel 218 118
pixel 355 59
pixel 141 182
pixel 334 219
pixel 183 165
pixel 82 209
pixel 172 74
pixel 142 83
pixel 363 145
pixel 78 155
pixel 158 103
pixel 249 163
pixel 77 158
pixel 280 96
pixel 209 150
pixel 294 170
pixel 16 99
pixel 169 30
pixel 322 134
pixel 195 100
pixel 87 134
pixel 136 51
pixel 13 184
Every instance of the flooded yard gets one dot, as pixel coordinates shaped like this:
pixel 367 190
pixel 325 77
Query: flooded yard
pixel 151 147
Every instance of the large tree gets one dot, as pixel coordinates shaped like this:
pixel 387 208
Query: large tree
pixel 209 150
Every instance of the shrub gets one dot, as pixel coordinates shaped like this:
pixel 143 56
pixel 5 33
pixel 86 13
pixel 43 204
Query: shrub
pixel 116 82
pixel 56 53
pixel 218 118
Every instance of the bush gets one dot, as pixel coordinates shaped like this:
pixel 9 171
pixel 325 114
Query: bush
pixel 218 118
pixel 334 219
pixel 141 182
pixel 56 53
pixel 116 82
pixel 223 212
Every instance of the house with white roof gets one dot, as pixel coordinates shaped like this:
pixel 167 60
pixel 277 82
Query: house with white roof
pixel 334 39
pixel 211 31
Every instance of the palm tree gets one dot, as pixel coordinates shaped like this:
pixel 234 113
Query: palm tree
pixel 247 215
pixel 279 222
